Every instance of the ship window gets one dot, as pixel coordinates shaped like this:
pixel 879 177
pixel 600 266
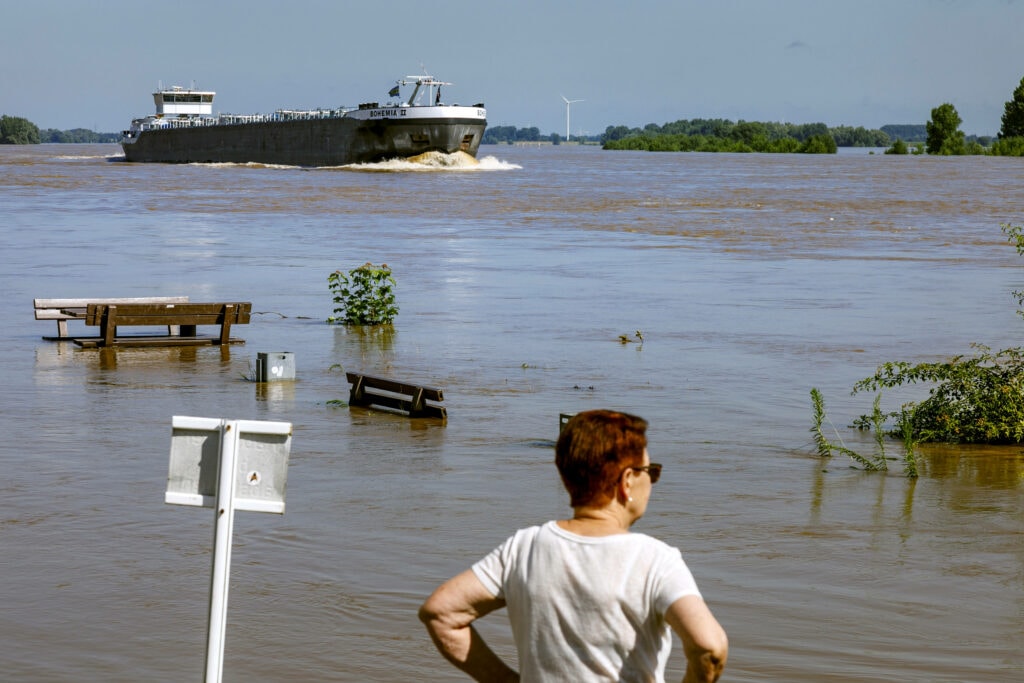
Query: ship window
pixel 419 139
pixel 187 97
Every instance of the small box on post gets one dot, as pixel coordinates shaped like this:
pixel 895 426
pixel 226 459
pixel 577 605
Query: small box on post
pixel 275 366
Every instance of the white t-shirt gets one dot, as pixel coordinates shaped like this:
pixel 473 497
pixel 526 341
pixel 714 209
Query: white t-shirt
pixel 587 608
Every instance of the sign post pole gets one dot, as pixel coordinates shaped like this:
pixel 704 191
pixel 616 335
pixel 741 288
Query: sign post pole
pixel 223 529
pixel 227 465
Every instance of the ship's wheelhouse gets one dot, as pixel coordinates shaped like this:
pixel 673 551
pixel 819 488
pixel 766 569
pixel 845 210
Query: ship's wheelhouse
pixel 178 101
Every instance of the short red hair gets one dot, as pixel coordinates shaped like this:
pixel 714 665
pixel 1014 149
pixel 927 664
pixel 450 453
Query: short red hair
pixel 592 451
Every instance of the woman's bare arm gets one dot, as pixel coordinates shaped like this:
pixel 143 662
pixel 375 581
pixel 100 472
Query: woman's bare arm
pixel 704 641
pixel 449 614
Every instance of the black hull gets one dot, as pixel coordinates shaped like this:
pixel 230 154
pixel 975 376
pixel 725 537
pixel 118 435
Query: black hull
pixel 311 142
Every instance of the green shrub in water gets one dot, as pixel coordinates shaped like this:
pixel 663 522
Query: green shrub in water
pixel 363 296
pixel 978 399
pixel 975 399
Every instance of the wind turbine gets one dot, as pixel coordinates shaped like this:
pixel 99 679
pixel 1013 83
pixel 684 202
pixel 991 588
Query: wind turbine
pixel 567 103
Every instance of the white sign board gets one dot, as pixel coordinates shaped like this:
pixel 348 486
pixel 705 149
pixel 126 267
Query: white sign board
pixel 260 463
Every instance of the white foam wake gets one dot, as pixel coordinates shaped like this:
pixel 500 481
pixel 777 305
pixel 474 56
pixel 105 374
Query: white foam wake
pixel 435 161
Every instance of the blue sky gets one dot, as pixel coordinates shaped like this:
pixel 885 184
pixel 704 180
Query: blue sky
pixel 93 64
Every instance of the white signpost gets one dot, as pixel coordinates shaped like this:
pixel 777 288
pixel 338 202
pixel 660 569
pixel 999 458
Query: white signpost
pixel 227 465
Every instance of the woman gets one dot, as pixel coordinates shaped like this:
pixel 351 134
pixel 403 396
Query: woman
pixel 587 599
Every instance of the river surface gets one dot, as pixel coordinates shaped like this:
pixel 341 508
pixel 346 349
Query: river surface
pixel 752 279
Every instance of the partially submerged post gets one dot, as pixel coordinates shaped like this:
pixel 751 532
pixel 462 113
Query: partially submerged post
pixel 275 366
pixel 227 465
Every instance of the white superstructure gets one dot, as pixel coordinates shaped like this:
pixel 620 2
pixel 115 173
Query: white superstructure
pixel 177 101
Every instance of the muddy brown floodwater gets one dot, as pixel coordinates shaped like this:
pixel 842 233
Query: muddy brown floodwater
pixel 753 278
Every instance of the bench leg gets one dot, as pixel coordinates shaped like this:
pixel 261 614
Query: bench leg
pixel 62 328
pixel 416 404
pixel 355 395
pixel 108 326
pixel 225 326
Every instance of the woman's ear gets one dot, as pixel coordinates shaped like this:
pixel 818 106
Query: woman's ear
pixel 625 486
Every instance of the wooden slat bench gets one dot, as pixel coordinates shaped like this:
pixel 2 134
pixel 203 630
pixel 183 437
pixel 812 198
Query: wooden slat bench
pixel 63 310
pixel 112 317
pixel 379 392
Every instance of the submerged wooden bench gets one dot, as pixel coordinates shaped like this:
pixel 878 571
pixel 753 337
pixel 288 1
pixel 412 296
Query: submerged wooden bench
pixel 379 392
pixel 63 310
pixel 110 318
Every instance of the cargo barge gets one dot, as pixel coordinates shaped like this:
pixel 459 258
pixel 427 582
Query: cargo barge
pixel 184 130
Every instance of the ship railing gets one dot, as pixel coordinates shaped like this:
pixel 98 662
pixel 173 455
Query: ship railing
pixel 308 114
pixel 237 119
pixel 177 123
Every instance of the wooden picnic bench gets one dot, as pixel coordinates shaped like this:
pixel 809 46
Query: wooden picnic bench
pixel 380 392
pixel 63 310
pixel 111 318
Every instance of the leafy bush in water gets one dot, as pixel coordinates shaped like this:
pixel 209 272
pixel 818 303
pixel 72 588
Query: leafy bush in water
pixel 1008 147
pixel 977 399
pixel 819 144
pixel 363 296
pixel 974 399
pixel 898 147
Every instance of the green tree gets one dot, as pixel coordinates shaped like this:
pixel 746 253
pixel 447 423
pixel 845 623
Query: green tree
pixel 749 132
pixel 898 147
pixel 531 134
pixel 1013 115
pixel 15 130
pixel 848 136
pixel 615 133
pixel 499 134
pixel 1008 147
pixel 943 131
pixel 819 144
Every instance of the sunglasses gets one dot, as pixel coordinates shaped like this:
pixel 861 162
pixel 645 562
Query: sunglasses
pixel 653 471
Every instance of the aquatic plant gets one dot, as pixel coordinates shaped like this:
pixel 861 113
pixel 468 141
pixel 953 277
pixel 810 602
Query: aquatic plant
pixel 624 338
pixel 976 399
pixel 876 462
pixel 363 296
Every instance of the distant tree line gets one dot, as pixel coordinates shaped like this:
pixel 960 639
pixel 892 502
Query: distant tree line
pixel 908 132
pixel 15 130
pixel 77 135
pixel 942 134
pixel 502 135
pixel 723 135
pixel 751 132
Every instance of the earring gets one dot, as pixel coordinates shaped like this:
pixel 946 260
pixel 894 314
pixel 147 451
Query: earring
pixel 630 499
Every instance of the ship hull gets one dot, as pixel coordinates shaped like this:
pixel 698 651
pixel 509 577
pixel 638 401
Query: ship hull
pixel 311 142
